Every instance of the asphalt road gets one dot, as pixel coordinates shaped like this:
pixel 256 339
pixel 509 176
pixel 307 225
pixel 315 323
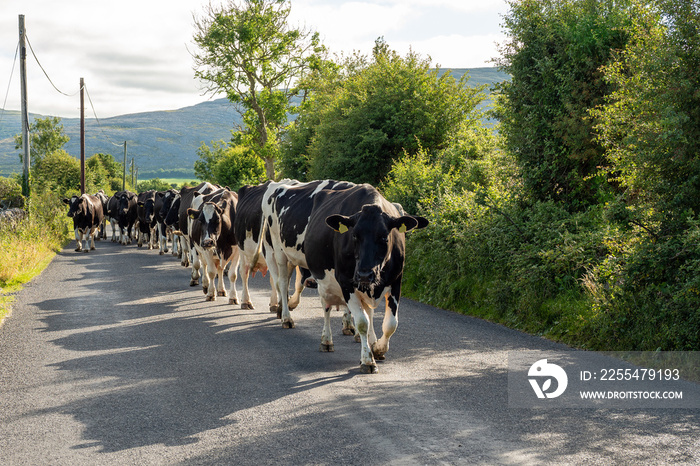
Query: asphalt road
pixel 111 358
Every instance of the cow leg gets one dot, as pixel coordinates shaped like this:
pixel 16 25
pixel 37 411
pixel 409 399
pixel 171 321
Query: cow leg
pixel 211 270
pixel 362 322
pixel 233 276
pixel 196 264
pixel 177 248
pixel 78 241
pixel 93 232
pixel 245 274
pixel 153 239
pixel 275 306
pixel 298 288
pixel 279 272
pixel 348 325
pixel 389 325
pixel 327 334
pixel 184 251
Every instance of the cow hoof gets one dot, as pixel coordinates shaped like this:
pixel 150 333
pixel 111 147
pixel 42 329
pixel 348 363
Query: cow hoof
pixel 161 253
pixel 92 248
pixel 357 338
pixel 205 289
pixel 288 324
pixel 222 293
pixel 233 301
pixel 86 250
pixel 78 249
pixel 194 282
pixel 277 309
pixel 210 298
pixel 325 348
pixel 348 331
pixel 247 306
pixel 369 368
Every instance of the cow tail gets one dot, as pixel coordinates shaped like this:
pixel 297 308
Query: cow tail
pixel 258 250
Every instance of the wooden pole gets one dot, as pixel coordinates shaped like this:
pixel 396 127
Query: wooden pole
pixel 25 112
pixel 82 136
pixel 124 175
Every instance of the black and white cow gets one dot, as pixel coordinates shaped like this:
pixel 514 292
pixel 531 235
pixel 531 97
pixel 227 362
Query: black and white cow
pixel 163 202
pixel 128 215
pixel 103 225
pixel 214 238
pixel 146 213
pixel 112 215
pixel 352 240
pixel 247 228
pixel 87 214
pixel 194 236
pixel 177 219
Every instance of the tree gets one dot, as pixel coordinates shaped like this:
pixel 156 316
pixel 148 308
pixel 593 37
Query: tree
pixel 554 56
pixel 248 50
pixel 239 167
pixel 229 165
pixel 650 125
pixel 155 184
pixel 58 172
pixel 356 124
pixel 104 172
pixel 46 137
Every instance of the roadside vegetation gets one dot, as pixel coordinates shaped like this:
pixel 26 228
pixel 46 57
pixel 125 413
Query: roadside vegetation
pixel 576 216
pixel 569 210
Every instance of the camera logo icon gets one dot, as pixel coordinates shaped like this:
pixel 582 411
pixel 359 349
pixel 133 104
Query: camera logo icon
pixel 542 373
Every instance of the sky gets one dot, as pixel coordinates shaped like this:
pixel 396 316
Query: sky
pixel 135 55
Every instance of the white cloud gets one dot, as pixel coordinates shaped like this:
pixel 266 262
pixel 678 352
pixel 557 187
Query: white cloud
pixel 456 51
pixel 133 53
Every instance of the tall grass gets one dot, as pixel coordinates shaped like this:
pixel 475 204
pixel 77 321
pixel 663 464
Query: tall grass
pixel 27 246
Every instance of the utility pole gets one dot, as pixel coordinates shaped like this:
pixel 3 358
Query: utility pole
pixel 25 113
pixel 82 136
pixel 124 165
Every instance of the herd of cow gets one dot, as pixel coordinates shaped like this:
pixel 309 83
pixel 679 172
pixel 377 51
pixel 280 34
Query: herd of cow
pixel 346 239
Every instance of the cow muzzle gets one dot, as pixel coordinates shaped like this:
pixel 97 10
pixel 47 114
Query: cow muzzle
pixel 365 280
pixel 208 243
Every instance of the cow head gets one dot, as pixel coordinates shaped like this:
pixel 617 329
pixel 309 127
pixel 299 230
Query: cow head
pixel 149 210
pixel 172 214
pixel 168 197
pixel 124 204
pixel 210 216
pixel 372 234
pixel 76 205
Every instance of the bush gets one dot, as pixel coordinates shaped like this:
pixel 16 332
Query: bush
pixel 10 193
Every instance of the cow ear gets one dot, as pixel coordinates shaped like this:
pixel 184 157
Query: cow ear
pixel 404 224
pixel 192 213
pixel 66 200
pixel 140 204
pixel 340 223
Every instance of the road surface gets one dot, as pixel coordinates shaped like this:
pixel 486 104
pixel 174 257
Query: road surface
pixel 111 358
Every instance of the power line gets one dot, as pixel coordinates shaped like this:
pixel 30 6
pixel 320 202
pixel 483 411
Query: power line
pixel 46 74
pixel 9 83
pixel 98 120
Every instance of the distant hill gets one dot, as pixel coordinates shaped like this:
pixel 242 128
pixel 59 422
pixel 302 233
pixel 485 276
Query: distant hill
pixel 163 143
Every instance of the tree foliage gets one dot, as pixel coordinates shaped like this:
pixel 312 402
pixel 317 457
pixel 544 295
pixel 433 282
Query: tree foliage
pixel 46 137
pixel 248 50
pixel 356 123
pixel 554 56
pixel 229 165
